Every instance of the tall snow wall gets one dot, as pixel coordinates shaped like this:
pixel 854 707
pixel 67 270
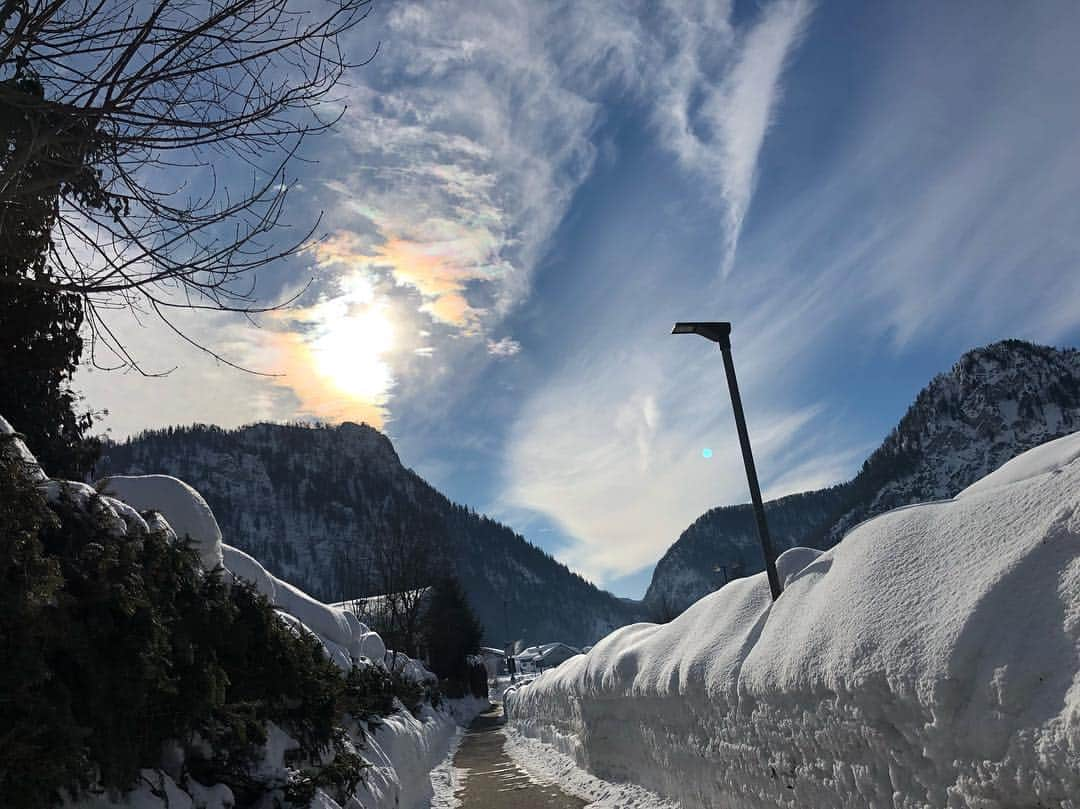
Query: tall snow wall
pixel 931 659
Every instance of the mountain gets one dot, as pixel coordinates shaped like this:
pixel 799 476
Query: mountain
pixel 995 403
pixel 315 503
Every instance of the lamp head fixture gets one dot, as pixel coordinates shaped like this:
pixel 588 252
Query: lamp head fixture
pixel 719 333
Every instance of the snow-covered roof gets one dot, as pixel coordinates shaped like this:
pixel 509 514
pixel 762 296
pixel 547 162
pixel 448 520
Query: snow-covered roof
pixel 544 651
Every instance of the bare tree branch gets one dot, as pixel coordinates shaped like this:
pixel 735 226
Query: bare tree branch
pixel 119 114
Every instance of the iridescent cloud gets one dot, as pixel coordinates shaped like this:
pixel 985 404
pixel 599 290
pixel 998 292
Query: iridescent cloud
pixel 335 355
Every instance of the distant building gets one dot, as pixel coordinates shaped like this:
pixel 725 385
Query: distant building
pixel 546 656
pixel 494 661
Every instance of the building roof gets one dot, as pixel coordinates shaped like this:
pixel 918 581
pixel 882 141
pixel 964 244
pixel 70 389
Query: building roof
pixel 544 651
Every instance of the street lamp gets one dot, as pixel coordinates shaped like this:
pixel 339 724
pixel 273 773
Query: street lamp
pixel 720 333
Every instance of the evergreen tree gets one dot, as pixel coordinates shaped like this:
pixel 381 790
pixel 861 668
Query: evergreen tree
pixel 451 631
pixel 42 748
pixel 40 345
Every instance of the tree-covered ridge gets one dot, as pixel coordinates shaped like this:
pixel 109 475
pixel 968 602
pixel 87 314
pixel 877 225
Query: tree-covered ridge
pixel 311 501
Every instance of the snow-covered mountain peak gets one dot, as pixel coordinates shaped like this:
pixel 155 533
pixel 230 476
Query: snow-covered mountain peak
pixel 994 403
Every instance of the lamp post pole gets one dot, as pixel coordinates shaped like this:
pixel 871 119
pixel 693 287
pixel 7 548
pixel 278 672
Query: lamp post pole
pixel 720 333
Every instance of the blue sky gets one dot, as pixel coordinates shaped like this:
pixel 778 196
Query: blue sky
pixel 521 198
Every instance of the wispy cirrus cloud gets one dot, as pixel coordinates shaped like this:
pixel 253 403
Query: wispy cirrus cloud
pixel 462 149
pixel 615 459
pixel 473 130
pixel 716 96
pixel 935 218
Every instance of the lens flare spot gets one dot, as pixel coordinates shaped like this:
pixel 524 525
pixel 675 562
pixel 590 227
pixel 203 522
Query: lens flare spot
pixel 706 453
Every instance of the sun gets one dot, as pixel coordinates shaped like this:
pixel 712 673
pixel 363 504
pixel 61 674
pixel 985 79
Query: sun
pixel 350 351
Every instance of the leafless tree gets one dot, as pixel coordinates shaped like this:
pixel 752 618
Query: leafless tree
pixel 402 568
pixel 133 119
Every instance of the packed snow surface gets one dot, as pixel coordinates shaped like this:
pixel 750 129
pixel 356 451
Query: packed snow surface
pixel 546 764
pixel 928 660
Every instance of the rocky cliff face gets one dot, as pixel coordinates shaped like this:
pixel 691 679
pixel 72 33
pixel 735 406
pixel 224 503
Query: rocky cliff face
pixel 995 403
pixel 313 502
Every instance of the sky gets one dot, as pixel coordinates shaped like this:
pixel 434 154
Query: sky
pixel 521 198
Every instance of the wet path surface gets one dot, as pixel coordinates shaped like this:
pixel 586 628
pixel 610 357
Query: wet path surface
pixel 494 781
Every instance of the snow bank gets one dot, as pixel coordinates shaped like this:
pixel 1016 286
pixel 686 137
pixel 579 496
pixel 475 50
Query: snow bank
pixel 341 632
pixel 931 659
pixel 184 508
pixel 404 751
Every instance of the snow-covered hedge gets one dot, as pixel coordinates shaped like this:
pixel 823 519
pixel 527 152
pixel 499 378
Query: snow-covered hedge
pixel 342 634
pixel 395 748
pixel 931 659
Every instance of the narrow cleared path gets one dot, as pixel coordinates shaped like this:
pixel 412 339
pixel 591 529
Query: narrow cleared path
pixel 493 780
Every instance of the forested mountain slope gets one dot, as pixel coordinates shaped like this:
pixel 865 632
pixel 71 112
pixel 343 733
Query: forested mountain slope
pixel 312 503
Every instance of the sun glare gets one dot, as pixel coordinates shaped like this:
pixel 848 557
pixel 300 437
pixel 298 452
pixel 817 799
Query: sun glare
pixel 349 352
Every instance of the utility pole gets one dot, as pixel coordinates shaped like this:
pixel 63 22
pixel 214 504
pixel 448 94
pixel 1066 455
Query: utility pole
pixel 720 333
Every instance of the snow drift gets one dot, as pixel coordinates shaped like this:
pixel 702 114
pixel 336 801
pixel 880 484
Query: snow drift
pixel 928 660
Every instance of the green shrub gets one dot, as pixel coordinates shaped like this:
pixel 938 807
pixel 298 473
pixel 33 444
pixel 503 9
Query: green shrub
pixel 41 746
pixel 339 777
pixel 114 645
pixel 368 693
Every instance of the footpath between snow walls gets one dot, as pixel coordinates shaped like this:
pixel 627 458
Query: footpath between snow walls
pixel 931 659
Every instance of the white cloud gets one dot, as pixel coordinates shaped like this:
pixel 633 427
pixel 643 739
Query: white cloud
pixel 473 130
pixel 615 459
pixel 716 98
pixel 136 402
pixel 461 152
pixel 945 212
pixel 943 219
pixel 506 347
pixel 743 109
pixel 610 447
